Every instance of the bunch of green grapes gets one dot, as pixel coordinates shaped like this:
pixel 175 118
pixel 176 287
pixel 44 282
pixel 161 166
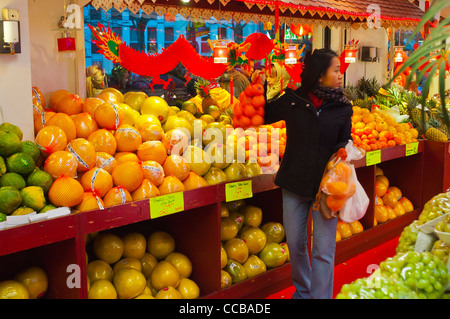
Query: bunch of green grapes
pixel 444 225
pixel 422 271
pixel 408 237
pixel 442 250
pixel 437 206
pixel 376 288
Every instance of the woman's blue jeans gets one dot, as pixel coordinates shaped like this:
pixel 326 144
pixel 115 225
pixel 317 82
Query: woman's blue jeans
pixel 312 279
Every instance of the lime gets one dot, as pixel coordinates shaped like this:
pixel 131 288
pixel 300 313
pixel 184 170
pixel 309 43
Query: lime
pixel 2 217
pixel 22 210
pixel 31 148
pixel 12 128
pixel 13 179
pixel 2 166
pixel 20 163
pixel 40 178
pixel 33 197
pixel 47 208
pixel 214 111
pixel 10 199
pixel 9 143
pixel 190 107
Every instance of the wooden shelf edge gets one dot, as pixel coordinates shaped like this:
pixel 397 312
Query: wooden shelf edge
pixel 372 237
pixel 38 233
pixel 390 153
pixel 257 287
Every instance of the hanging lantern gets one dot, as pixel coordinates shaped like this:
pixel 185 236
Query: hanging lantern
pixel 220 52
pixel 350 53
pixel 398 55
pixel 290 55
pixel 66 42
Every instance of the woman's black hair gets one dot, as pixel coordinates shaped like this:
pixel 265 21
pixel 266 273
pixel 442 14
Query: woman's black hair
pixel 316 65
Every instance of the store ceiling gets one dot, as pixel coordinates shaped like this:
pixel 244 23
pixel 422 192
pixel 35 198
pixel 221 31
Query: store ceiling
pixel 393 13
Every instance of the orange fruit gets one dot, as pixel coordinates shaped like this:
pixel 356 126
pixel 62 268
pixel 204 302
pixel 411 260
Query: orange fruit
pixel 383 179
pixel 103 141
pixel 338 236
pixel 390 198
pixel 194 181
pixel 61 163
pixel 171 184
pixel 399 209
pixel 65 122
pixel 128 175
pixel 97 180
pixel 380 188
pixel 91 201
pixel 152 151
pixel 105 161
pixel 396 191
pixel 378 200
pixel 70 104
pixel 391 212
pixel 343 171
pixel 153 171
pixel 146 190
pixel 128 138
pixel 337 189
pixel 249 110
pixel 149 127
pixel 39 121
pixel 84 152
pixel 51 139
pixel 85 124
pixel 38 97
pixel 381 213
pixel 257 120
pixel 122 157
pixel 176 141
pixel 407 205
pixel 109 96
pixel 335 204
pixel 116 196
pixel 356 227
pixel 108 115
pixel 56 96
pixel 177 166
pixel 90 104
pixel 37 110
pixel 66 192
pixel 344 229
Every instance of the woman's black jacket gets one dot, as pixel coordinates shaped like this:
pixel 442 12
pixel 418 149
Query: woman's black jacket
pixel 312 136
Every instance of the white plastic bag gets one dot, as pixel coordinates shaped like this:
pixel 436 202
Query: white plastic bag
pixel 356 206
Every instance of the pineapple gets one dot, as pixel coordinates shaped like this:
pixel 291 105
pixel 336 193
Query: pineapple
pixel 203 91
pixel 434 131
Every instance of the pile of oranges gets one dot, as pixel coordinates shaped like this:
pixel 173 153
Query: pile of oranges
pixel 249 109
pixel 389 200
pixel 373 130
pixel 102 153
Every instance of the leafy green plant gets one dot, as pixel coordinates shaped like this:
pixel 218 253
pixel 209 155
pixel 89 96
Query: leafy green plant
pixel 431 57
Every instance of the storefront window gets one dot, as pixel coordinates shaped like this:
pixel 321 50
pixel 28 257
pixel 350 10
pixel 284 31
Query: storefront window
pixel 153 33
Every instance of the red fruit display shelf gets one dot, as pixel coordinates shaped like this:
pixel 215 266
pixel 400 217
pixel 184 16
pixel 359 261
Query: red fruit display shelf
pixel 60 245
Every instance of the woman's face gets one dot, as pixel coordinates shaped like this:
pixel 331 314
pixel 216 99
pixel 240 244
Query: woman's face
pixel 333 77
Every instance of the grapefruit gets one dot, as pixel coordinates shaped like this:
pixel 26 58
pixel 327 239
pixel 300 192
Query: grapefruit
pixel 91 201
pixel 236 249
pixel 274 231
pixel 50 139
pixel 84 152
pixel 181 262
pixel 99 269
pixel 108 115
pixel 146 190
pixel 65 122
pixel 116 196
pixel 153 171
pixel 254 238
pixel 66 192
pixel 194 181
pixel 108 247
pixel 188 289
pixel 135 245
pixel 102 289
pixel 177 166
pixel 171 184
pixel 105 161
pixel 128 175
pixel 164 274
pixel 129 283
pixel 160 244
pixel 156 106
pixel 35 280
pixel 61 163
pixel 254 266
pixel 13 289
pixel 152 151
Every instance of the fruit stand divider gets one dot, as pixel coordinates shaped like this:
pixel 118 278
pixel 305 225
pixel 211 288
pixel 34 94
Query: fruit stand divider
pixel 197 229
pixel 436 175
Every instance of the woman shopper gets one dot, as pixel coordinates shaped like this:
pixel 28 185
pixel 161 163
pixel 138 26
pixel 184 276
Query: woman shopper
pixel 318 123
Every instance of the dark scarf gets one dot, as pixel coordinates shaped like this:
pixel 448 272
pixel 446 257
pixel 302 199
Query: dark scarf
pixel 328 94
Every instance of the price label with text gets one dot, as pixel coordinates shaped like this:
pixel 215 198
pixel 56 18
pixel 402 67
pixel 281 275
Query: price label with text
pixel 166 204
pixel 411 148
pixel 238 190
pixel 373 157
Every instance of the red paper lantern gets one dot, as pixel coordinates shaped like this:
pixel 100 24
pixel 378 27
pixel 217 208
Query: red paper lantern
pixel 66 44
pixel 350 55
pixel 290 55
pixel 220 54
pixel 398 56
